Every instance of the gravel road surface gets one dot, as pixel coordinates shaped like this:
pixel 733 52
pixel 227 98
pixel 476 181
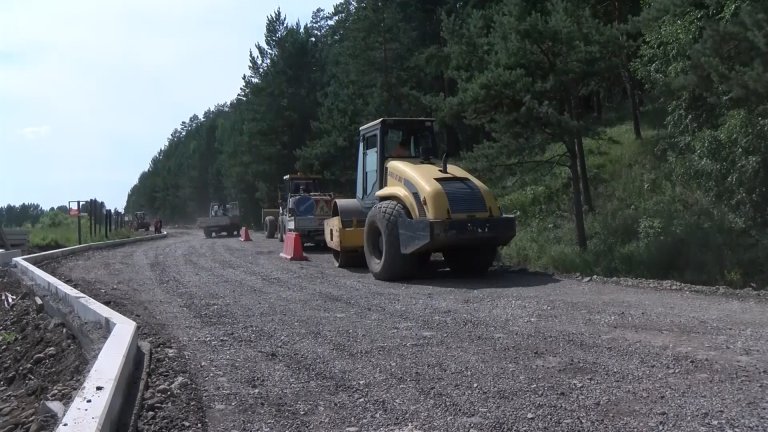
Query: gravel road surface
pixel 244 340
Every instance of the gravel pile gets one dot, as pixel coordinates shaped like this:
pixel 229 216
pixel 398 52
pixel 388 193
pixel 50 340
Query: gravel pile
pixel 41 363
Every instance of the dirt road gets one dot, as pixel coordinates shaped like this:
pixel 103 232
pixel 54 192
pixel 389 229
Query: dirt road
pixel 247 341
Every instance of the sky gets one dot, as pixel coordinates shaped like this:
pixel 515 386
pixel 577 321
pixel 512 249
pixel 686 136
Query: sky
pixel 91 90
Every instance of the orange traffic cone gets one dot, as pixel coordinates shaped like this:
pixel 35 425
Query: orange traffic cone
pixel 293 247
pixel 244 234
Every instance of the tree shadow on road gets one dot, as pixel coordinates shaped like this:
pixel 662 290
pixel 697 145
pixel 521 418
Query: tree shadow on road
pixel 438 275
pixel 311 249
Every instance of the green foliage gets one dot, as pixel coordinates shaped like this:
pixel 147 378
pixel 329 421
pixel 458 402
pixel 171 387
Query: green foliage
pixel 729 163
pixel 54 220
pixel 537 57
pixel 720 125
pixel 648 225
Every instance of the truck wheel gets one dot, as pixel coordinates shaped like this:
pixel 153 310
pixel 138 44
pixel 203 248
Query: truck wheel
pixel 348 259
pixel 382 243
pixel 470 261
pixel 270 227
pixel 280 233
pixel 207 233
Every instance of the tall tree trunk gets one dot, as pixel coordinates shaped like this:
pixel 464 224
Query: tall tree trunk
pixel 578 212
pixel 629 82
pixel 581 159
pixel 587 193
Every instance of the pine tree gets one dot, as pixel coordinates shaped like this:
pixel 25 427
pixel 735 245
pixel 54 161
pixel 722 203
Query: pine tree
pixel 533 60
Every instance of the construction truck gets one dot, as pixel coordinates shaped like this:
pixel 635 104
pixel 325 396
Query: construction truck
pixel 304 206
pixel 408 206
pixel 221 219
pixel 140 221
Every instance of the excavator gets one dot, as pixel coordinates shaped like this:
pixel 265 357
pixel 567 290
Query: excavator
pixel 408 206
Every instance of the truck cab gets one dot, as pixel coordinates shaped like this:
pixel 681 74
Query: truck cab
pixel 223 218
pixel 411 140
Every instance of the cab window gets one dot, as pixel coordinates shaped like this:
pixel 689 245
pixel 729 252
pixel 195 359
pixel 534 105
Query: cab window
pixel 406 143
pixel 371 162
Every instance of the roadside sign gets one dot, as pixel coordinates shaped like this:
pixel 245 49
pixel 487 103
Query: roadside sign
pixel 74 212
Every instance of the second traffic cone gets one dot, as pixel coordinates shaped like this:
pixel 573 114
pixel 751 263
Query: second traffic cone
pixel 244 234
pixel 293 248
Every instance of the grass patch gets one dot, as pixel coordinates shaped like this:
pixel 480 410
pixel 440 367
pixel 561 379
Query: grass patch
pixel 57 230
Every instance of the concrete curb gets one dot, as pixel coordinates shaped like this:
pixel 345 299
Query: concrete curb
pixel 98 403
pixel 7 256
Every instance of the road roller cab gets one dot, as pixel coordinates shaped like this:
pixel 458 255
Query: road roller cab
pixel 408 205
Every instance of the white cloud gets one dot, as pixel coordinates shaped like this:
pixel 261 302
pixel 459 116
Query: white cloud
pixel 34 133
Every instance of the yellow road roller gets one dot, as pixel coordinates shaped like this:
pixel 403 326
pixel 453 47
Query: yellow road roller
pixel 408 206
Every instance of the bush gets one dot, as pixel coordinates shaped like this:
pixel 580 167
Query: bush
pixel 53 220
pixel 647 223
